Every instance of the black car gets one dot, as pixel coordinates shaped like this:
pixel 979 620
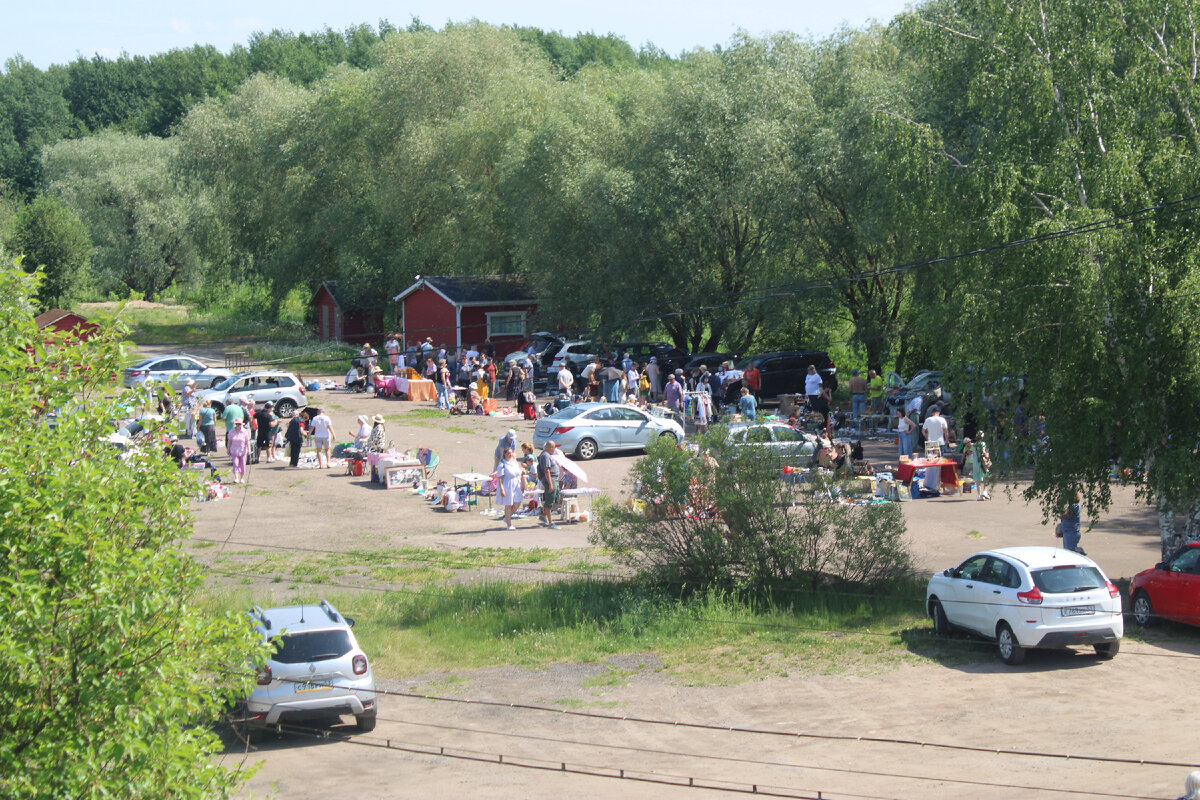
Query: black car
pixel 783 372
pixel 668 356
pixel 711 360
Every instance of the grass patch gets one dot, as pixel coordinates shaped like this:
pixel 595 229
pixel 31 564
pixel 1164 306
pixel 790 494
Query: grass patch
pixel 974 535
pixel 612 676
pixel 701 637
pixel 424 413
pixel 411 574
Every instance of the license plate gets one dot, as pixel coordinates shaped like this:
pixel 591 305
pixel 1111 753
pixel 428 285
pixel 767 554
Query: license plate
pixel 1078 611
pixel 312 686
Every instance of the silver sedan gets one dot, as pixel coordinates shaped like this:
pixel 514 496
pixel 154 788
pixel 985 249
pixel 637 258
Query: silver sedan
pixel 589 429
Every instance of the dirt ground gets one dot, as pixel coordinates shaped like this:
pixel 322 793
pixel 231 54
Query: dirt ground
pixel 1058 703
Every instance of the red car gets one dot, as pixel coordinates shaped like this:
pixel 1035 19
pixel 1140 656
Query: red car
pixel 1169 591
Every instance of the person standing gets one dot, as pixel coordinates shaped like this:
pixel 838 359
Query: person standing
pixel 565 382
pixel 368 358
pixel 935 428
pixel 974 463
pixel 233 412
pixel 655 375
pixel 322 428
pixel 266 430
pixel 905 426
pixel 443 386
pixel 549 470
pixel 392 347
pixel 294 438
pixel 208 426
pixel 858 395
pixel 673 393
pixel 752 380
pixel 238 444
pixel 507 442
pixel 747 405
pixel 812 386
pixel 489 369
pixel 509 477
pixel 875 391
pixel 187 404
pixel 166 404
pixel 1068 525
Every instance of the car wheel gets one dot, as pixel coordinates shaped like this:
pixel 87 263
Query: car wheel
pixel 941 625
pixel 285 408
pixel 218 408
pixel 669 435
pixel 1011 651
pixel 1107 650
pixel 1143 610
pixel 586 449
pixel 365 722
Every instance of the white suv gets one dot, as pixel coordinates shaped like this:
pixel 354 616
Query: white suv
pixel 281 388
pixel 1024 597
pixel 318 669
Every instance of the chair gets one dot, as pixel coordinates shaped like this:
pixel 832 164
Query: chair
pixel 431 460
pixel 933 450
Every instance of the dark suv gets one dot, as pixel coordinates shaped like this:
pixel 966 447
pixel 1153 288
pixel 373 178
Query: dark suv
pixel 669 357
pixel 783 372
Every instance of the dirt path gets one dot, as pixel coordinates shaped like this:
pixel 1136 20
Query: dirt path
pixel 1068 703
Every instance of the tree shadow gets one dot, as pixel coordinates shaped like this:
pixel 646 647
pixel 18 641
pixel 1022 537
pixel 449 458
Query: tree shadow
pixel 237 738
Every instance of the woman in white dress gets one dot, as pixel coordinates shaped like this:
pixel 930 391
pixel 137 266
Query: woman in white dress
pixel 509 477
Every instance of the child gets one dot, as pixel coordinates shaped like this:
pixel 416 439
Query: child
pixel 239 446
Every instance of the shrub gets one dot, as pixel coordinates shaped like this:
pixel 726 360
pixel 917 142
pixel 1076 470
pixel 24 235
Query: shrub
pixel 726 517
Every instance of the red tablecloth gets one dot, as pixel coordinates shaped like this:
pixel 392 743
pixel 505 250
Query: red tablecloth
pixel 904 472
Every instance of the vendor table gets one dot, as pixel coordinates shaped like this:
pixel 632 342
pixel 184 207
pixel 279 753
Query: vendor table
pixel 415 389
pixel 948 472
pixel 573 495
pixel 471 480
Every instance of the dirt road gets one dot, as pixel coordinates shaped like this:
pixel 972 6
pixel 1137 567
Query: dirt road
pixel 1057 703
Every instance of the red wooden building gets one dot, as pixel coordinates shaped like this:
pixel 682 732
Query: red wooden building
pixel 457 311
pixel 344 315
pixel 56 319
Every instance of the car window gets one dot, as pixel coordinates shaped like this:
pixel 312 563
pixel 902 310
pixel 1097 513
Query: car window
pixel 570 412
pixel 997 572
pixel 972 568
pixel 629 415
pixel 167 365
pixel 759 434
pixel 1062 580
pixel 793 362
pixel 224 385
pixel 600 415
pixel 187 363
pixel 1187 561
pixel 284 381
pixel 786 434
pixel 299 648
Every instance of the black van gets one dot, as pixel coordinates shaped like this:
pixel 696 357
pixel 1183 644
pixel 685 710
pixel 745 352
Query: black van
pixel 783 372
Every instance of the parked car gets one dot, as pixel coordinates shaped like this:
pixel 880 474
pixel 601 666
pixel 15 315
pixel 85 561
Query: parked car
pixel 574 355
pixel 546 346
pixel 783 372
pixel 927 384
pixel 783 444
pixel 588 429
pixel 1023 597
pixel 317 670
pixel 1170 590
pixel 174 370
pixel 669 356
pixel 281 388
pixel 711 360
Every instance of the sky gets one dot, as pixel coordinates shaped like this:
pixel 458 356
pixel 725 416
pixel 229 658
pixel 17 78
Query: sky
pixel 56 31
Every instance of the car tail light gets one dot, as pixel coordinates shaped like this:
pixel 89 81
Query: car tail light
pixel 301 387
pixel 1033 597
pixel 1113 591
pixel 264 676
pixel 562 429
pixel 360 665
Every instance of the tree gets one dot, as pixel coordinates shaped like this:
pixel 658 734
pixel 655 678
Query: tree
pixel 110 680
pixel 51 237
pixel 33 113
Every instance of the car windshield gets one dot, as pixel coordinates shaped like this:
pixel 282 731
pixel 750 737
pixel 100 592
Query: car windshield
pixel 570 412
pixel 1062 580
pixel 224 385
pixel 746 362
pixel 919 380
pixel 299 648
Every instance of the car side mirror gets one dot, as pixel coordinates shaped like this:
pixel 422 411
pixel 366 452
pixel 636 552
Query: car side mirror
pixel 349 620
pixel 951 573
pixel 1159 565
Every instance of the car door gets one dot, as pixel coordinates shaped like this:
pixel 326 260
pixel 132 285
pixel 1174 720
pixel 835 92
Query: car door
pixel 166 371
pixel 997 590
pixel 601 426
pixel 274 388
pixel 1178 593
pixel 636 429
pixel 245 389
pixel 964 591
pixel 773 381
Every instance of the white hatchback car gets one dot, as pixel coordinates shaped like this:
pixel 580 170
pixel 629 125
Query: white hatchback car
pixel 318 669
pixel 1043 597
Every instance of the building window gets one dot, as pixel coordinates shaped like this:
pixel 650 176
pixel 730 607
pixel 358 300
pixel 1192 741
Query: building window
pixel 505 323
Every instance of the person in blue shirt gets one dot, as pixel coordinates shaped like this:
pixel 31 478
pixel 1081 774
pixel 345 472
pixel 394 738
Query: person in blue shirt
pixel 747 405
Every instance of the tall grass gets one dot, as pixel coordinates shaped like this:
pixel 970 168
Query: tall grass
pixel 707 637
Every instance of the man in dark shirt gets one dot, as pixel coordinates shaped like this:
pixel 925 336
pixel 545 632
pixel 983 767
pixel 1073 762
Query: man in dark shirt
pixel 549 470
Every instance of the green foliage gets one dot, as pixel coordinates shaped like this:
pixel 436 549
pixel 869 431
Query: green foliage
pixel 110 680
pixel 49 236
pixel 764 531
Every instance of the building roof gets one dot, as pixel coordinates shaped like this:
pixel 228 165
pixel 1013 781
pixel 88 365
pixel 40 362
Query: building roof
pixel 48 318
pixel 349 297
pixel 474 290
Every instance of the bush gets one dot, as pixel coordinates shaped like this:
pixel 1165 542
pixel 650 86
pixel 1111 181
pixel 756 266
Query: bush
pixel 725 517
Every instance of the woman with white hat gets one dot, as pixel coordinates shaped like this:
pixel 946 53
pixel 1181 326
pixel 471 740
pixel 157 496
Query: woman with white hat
pixel 363 433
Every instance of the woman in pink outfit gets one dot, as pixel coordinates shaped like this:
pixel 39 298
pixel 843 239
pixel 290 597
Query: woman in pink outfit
pixel 239 446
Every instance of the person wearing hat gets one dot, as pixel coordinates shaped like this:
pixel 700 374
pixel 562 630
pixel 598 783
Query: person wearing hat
pixel 368 357
pixel 322 429
pixel 363 433
pixel 265 419
pixel 655 375
pixel 238 444
pixel 233 412
pixel 507 442
pixel 858 395
pixel 377 441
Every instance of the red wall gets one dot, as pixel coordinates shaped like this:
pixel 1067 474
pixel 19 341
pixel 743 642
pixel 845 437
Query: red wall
pixel 426 313
pixel 474 323
pixel 357 327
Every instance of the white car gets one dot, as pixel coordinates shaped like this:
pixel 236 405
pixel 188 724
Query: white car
pixel 318 669
pixel 283 389
pixel 174 370
pixel 1022 597
pixel 588 429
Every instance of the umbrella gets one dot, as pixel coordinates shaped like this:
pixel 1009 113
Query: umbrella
pixel 570 466
pixel 609 374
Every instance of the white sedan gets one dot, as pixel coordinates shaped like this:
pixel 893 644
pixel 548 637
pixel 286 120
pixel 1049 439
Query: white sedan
pixel 174 370
pixel 588 429
pixel 1023 597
